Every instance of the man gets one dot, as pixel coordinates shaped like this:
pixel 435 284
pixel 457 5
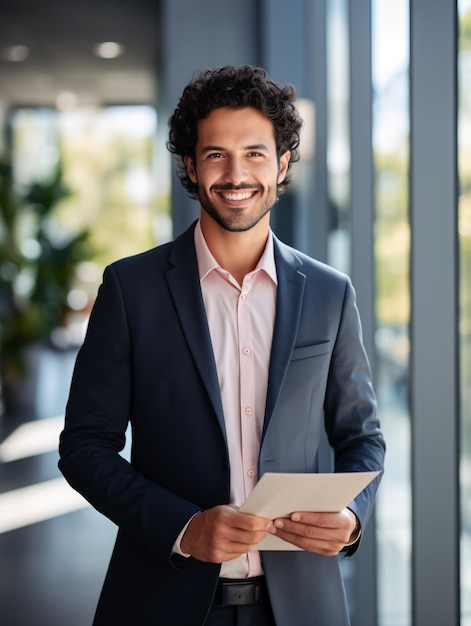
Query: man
pixel 227 351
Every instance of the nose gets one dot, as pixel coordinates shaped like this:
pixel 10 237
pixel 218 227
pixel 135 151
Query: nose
pixel 235 171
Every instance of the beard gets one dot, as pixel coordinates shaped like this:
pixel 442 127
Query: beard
pixel 237 220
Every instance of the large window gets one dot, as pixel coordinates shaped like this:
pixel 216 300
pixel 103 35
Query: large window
pixel 109 164
pixel 390 78
pixel 117 191
pixel 338 142
pixel 392 242
pixel 464 143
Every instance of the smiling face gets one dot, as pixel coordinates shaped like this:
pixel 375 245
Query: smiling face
pixel 236 168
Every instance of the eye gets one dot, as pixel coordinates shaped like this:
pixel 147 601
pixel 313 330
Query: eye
pixel 215 155
pixel 254 153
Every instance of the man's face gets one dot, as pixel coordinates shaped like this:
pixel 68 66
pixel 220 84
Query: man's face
pixel 236 167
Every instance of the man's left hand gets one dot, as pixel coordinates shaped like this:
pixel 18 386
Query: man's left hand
pixel 323 533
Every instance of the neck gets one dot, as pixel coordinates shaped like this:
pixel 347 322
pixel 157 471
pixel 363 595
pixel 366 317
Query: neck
pixel 236 252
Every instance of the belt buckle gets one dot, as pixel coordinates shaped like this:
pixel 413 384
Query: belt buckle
pixel 240 593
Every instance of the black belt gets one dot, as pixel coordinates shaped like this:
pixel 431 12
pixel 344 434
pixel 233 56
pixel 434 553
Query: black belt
pixel 241 591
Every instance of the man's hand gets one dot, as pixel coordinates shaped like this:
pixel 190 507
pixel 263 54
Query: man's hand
pixel 222 533
pixel 324 533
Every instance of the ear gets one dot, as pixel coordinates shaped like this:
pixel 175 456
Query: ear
pixel 283 166
pixel 190 168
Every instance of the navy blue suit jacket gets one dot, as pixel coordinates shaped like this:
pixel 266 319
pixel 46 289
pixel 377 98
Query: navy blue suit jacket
pixel 147 359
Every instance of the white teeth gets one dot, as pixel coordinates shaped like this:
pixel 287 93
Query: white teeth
pixel 241 195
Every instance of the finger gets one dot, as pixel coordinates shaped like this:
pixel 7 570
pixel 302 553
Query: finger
pixel 244 521
pixel 319 545
pixel 215 535
pixel 324 540
pixel 241 527
pixel 218 547
pixel 322 520
pixel 247 538
pixel 331 534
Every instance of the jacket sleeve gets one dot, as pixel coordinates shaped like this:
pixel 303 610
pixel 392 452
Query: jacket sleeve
pixel 350 408
pixel 97 416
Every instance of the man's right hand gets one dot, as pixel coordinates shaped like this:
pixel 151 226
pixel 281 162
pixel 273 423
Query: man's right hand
pixel 222 533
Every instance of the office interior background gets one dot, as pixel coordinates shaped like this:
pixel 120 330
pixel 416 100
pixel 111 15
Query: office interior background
pixel 382 191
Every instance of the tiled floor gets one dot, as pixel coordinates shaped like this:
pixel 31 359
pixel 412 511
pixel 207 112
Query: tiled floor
pixel 51 570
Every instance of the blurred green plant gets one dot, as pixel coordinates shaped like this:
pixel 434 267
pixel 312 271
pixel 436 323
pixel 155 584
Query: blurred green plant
pixel 465 32
pixel 38 262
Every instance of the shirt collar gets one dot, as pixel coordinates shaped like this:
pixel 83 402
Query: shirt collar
pixel 207 263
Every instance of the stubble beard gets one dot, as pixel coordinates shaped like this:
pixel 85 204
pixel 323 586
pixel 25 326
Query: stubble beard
pixel 237 222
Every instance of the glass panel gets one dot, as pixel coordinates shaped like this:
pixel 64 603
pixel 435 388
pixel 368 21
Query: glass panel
pixel 109 162
pixel 338 135
pixel 35 145
pixel 464 221
pixel 107 159
pixel 338 186
pixel 390 32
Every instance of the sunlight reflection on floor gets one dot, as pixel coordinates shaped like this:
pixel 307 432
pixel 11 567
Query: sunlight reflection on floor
pixel 36 503
pixel 44 500
pixel 32 438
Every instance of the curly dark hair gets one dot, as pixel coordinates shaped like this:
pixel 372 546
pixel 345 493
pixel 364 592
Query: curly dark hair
pixel 235 87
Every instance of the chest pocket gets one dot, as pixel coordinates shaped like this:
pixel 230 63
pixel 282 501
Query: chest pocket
pixel 307 352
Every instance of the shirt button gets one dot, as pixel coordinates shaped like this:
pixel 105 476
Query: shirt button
pixel 251 473
pixel 246 351
pixel 243 296
pixel 248 411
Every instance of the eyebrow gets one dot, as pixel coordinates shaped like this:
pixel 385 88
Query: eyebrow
pixel 257 146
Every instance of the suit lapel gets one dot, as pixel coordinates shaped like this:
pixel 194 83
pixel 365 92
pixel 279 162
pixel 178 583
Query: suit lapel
pixel 288 311
pixel 184 284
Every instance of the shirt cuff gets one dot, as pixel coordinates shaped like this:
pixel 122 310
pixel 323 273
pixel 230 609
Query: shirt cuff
pixel 356 532
pixel 176 546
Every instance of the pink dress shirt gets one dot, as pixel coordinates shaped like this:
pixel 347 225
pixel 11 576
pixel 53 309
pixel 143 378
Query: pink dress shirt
pixel 241 320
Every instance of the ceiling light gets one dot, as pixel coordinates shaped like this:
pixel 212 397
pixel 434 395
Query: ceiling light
pixel 15 54
pixel 66 100
pixel 108 50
